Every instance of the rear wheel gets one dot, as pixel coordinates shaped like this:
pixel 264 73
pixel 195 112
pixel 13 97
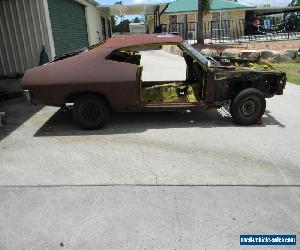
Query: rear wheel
pixel 91 111
pixel 248 107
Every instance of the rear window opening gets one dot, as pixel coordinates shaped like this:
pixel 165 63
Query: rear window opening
pixel 127 56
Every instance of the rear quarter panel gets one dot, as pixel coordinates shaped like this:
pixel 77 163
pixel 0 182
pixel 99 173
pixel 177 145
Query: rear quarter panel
pixel 51 84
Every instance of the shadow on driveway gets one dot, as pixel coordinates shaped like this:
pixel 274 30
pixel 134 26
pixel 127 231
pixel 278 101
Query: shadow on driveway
pixel 18 111
pixel 62 124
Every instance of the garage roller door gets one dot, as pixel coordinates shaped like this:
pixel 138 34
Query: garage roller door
pixel 68 25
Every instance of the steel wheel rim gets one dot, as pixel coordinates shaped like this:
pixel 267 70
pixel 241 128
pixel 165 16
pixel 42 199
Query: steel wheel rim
pixel 250 107
pixel 90 111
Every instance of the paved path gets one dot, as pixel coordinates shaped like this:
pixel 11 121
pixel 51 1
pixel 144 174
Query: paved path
pixel 201 148
pixel 159 65
pixel 148 180
pixel 110 189
pixel 130 218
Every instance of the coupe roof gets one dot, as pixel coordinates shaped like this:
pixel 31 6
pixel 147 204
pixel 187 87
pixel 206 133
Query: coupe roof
pixel 135 40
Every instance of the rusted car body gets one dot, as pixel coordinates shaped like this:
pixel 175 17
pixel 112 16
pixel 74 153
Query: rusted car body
pixel 112 73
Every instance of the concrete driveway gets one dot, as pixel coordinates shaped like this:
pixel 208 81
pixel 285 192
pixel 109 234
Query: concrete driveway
pixel 159 65
pixel 148 180
pixel 198 148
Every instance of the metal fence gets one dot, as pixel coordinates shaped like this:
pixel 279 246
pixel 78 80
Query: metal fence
pixel 237 30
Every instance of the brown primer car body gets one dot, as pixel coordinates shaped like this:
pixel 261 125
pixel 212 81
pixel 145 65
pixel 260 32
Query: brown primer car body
pixel 60 82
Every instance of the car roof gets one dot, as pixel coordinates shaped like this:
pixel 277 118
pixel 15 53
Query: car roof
pixel 123 41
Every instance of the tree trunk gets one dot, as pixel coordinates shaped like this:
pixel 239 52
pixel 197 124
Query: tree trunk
pixel 200 35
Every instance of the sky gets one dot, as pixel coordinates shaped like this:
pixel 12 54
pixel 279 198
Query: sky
pixel 277 3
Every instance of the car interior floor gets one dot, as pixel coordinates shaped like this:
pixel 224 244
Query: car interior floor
pixel 172 92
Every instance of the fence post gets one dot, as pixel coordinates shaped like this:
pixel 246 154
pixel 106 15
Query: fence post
pixel 204 31
pixel 211 30
pixel 231 31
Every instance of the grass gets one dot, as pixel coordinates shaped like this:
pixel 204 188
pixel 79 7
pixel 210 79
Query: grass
pixel 292 70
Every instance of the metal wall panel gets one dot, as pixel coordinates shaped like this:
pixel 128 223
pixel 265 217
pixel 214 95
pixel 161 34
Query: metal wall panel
pixel 68 24
pixel 23 32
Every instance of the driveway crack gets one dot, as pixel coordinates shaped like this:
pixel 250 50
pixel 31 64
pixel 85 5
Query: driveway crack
pixel 178 220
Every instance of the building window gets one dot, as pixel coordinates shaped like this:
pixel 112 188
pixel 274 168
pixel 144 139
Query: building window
pixel 109 28
pixel 173 23
pixel 103 28
pixel 220 24
pixel 216 17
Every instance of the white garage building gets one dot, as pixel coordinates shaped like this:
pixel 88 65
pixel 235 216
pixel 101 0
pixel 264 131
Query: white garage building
pixel 61 26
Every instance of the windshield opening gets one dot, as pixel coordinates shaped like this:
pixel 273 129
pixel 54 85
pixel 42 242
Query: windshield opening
pixel 196 53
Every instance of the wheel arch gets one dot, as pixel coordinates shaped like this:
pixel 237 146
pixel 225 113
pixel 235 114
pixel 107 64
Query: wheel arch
pixel 236 87
pixel 71 98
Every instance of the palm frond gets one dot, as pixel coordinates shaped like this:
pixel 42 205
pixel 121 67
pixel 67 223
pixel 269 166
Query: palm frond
pixel 206 5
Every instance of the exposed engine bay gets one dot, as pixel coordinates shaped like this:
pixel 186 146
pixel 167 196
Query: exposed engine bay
pixel 254 64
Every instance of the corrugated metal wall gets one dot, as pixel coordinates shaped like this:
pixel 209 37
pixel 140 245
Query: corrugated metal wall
pixel 23 32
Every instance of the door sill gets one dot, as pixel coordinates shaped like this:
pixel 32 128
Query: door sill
pixel 170 105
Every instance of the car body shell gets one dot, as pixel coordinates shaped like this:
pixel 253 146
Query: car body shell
pixel 59 82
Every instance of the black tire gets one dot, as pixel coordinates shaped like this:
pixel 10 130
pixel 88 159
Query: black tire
pixel 91 111
pixel 248 107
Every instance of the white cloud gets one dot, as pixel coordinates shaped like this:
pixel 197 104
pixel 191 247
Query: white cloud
pixel 138 1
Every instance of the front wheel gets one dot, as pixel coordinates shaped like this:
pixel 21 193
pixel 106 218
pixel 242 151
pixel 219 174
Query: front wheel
pixel 91 111
pixel 248 107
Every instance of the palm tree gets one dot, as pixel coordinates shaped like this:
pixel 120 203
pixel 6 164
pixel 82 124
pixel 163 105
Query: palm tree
pixel 295 3
pixel 203 8
pixel 120 3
